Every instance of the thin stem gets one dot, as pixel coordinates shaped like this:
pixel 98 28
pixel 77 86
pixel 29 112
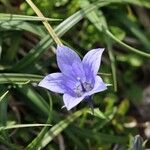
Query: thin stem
pixel 112 60
pixel 45 22
pixel 107 32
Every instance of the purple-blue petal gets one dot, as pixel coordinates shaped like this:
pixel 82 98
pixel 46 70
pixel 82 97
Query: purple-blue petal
pixel 71 101
pixel 91 63
pixel 53 82
pixel 69 62
pixel 59 83
pixel 98 87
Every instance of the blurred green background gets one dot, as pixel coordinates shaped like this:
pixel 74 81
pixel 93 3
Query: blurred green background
pixel 122 27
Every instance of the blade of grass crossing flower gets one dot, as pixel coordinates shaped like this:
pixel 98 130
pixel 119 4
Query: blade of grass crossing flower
pixel 56 129
pixel 45 22
pixel 36 143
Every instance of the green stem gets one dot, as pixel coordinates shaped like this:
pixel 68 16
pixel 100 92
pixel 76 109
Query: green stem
pixel 108 33
pixel 112 60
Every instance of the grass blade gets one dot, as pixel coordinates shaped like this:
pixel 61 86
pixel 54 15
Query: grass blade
pixel 108 33
pixel 33 98
pixel 44 44
pixel 14 17
pixel 22 126
pixel 16 78
pixel 35 144
pixel 3 96
pixel 56 129
pixel 22 25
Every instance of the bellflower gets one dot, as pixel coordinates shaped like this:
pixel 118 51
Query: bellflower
pixel 78 79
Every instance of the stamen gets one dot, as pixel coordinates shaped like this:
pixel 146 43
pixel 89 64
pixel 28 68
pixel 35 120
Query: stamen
pixel 82 87
pixel 82 84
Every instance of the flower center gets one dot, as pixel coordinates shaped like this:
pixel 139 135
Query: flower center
pixel 82 88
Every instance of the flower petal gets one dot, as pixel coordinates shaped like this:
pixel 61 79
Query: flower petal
pixel 53 82
pixel 69 62
pixel 71 101
pixel 91 63
pixel 58 83
pixel 98 87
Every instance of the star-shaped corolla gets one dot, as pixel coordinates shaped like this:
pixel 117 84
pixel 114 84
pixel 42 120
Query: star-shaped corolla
pixel 78 79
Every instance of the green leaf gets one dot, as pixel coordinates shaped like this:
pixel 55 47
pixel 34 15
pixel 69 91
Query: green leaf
pixel 123 107
pixel 37 141
pixel 33 98
pixel 44 44
pixel 14 17
pixel 3 96
pixel 101 137
pixel 132 49
pixel 8 144
pixel 98 113
pixel 3 111
pixel 118 32
pixel 22 25
pixel 16 78
pixel 59 127
pixel 22 126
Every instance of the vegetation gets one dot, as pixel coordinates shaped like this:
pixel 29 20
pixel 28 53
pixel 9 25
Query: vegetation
pixel 31 117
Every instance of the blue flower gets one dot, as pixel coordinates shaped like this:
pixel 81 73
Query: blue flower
pixel 78 79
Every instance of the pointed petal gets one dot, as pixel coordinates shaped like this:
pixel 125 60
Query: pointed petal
pixel 69 62
pixel 59 83
pixel 53 82
pixel 98 87
pixel 71 101
pixel 91 63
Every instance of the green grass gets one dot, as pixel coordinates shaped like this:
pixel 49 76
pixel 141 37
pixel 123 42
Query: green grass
pixel 31 117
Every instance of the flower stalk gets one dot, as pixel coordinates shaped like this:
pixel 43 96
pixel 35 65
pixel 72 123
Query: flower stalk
pixel 45 22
